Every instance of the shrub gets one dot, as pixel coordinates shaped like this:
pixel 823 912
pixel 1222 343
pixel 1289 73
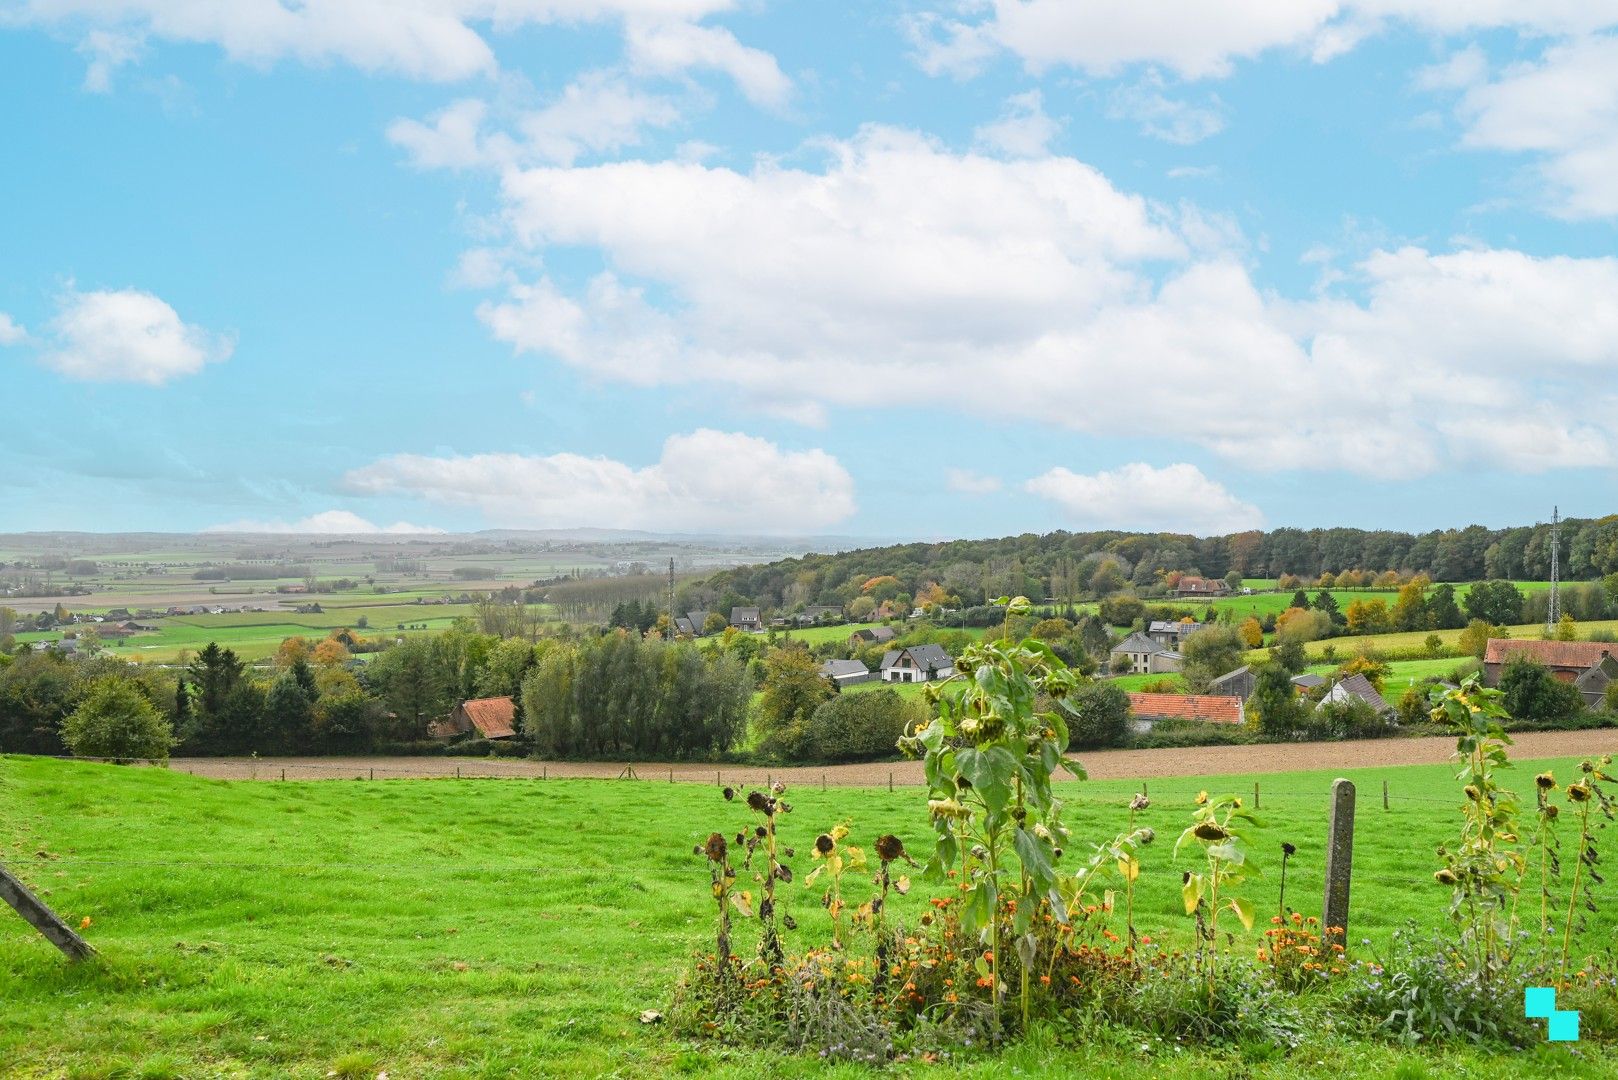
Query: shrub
pixel 116 721
pixel 1424 992
pixel 1097 716
pixel 1172 733
pixel 858 727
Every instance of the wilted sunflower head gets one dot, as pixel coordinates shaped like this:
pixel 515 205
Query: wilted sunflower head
pixel 729 793
pixel 1147 836
pixel 889 847
pixel 1551 810
pixel 1472 792
pixel 1139 802
pixel 1210 831
pixel 1202 798
pixel 757 800
pixel 1445 877
pixel 824 843
pixel 715 848
pixel 760 831
pixel 1587 766
pixel 778 788
pixel 1578 792
pixel 1288 850
pixel 1545 781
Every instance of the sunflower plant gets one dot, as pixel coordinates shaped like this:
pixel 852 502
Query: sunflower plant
pixel 990 756
pixel 1217 828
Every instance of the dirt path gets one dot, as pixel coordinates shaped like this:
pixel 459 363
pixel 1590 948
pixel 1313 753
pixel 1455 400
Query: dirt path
pixel 1101 765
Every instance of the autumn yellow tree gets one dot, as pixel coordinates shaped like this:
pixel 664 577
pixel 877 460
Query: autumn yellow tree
pixel 1367 617
pixel 291 651
pixel 330 652
pixel 1252 632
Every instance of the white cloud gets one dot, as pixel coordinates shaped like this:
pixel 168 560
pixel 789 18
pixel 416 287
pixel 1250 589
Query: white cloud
pixel 1034 290
pixel 1460 69
pixel 1196 39
pixel 669 47
pixel 596 113
pixel 1163 117
pixel 11 331
pixel 968 482
pixel 1563 109
pixel 440 40
pixel 128 336
pixel 326 523
pixel 1023 129
pixel 705 481
pixel 1139 496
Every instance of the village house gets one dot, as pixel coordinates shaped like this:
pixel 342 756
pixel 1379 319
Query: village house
pixel 1171 633
pixel 814 613
pixel 1354 688
pixel 1308 681
pixel 1147 709
pixel 1568 661
pixel 871 635
pixel 919 663
pixel 746 618
pixel 1147 657
pixel 1592 683
pixel 1239 683
pixel 1200 586
pixel 491 718
pixel 846 672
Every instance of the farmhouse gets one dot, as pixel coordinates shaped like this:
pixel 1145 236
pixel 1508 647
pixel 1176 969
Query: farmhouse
pixel 1148 709
pixel 1356 687
pixel 682 625
pixel 1239 683
pixel 871 635
pixel 491 718
pixel 846 672
pixel 1199 586
pixel 1308 681
pixel 746 618
pixel 919 663
pixel 1147 656
pixel 1171 633
pixel 1567 660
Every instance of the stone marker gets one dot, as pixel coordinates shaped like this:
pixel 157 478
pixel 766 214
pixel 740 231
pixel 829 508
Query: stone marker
pixel 1339 864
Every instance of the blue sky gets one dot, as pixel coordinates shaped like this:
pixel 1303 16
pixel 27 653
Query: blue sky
pixel 877 269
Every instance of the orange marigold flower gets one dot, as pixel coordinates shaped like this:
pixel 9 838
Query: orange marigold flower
pixel 1044 980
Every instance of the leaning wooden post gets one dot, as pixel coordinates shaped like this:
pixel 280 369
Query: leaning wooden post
pixel 42 918
pixel 1339 864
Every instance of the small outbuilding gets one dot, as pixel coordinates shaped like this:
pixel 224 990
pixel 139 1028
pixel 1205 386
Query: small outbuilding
pixel 846 672
pixel 491 718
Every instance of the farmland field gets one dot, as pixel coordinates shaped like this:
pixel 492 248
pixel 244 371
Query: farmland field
pixel 493 927
pixel 1345 647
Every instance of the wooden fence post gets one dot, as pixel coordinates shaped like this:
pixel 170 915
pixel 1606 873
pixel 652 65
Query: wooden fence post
pixel 890 783
pixel 1339 864
pixel 42 918
pixel 1384 794
pixel 1255 794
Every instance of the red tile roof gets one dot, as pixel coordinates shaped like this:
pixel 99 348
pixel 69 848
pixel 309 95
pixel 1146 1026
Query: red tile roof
pixel 1554 654
pixel 1214 708
pixel 494 717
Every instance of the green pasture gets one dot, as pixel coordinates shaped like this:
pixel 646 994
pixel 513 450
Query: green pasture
pixel 494 928
pixel 1346 647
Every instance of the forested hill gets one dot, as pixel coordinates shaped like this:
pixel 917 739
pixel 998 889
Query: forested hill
pixel 1064 564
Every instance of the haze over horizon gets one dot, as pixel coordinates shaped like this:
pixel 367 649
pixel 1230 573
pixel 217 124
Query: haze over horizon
pixel 707 267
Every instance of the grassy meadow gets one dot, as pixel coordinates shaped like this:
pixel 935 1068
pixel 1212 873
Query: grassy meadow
pixel 491 928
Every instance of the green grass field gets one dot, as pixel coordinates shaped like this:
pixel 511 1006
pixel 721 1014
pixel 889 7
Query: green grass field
pixel 518 928
pixel 1346 647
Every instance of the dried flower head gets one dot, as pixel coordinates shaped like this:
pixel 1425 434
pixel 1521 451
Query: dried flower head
pixel 1551 810
pixel 1579 792
pixel 715 848
pixel 1445 877
pixel 824 844
pixel 1202 798
pixel 757 800
pixel 729 793
pixel 760 831
pixel 889 847
pixel 778 788
pixel 1139 802
pixel 1545 781
pixel 1288 850
pixel 1147 835
pixel 1210 831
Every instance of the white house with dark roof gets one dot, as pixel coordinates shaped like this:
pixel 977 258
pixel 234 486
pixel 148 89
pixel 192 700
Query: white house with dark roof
pixel 1165 632
pixel 747 618
pixel 1147 657
pixel 918 663
pixel 1357 687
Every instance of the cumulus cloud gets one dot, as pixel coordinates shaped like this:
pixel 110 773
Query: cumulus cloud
pixel 1562 108
pixel 326 523
pixel 1161 117
pixel 968 482
pixel 1142 497
pixel 597 113
pixel 126 335
pixel 1023 129
pixel 440 40
pixel 11 332
pixel 1197 40
pixel 1035 290
pixel 705 481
